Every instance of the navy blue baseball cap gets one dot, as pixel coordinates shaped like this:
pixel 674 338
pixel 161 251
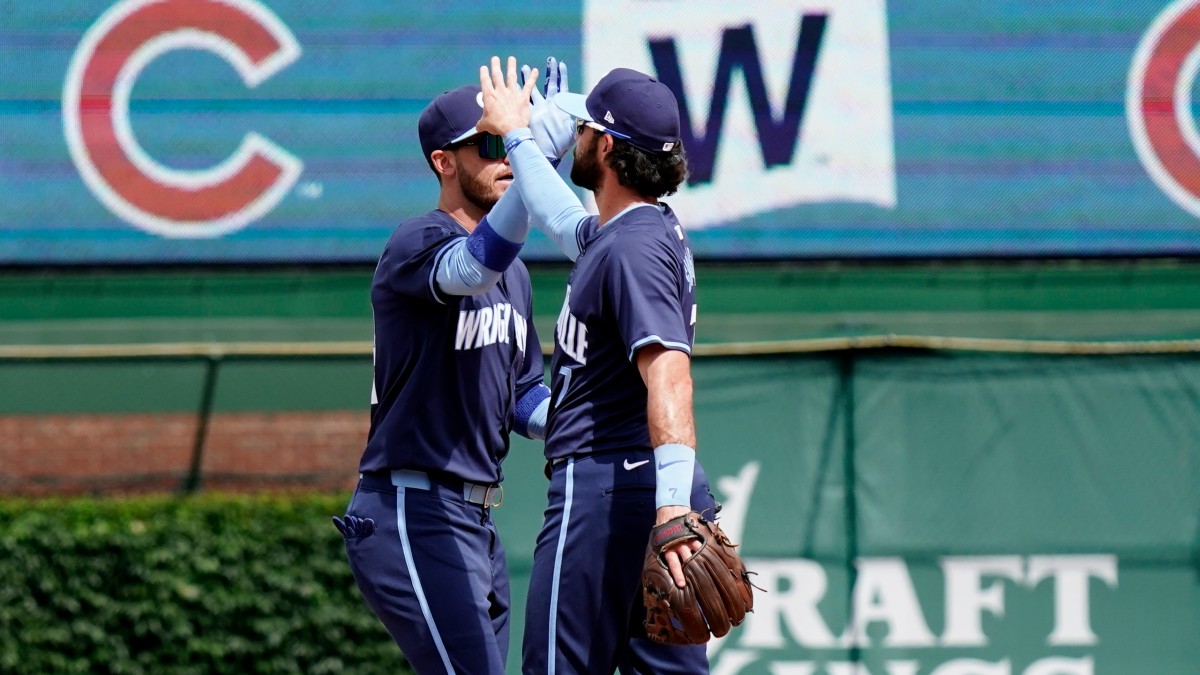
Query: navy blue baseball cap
pixel 450 118
pixel 630 105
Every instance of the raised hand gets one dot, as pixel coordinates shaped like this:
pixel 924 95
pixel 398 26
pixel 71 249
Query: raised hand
pixel 506 104
pixel 553 129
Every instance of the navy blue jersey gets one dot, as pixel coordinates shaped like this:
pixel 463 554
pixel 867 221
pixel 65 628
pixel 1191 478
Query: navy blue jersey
pixel 633 284
pixel 448 369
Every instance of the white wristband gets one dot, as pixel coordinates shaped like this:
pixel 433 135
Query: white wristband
pixel 674 465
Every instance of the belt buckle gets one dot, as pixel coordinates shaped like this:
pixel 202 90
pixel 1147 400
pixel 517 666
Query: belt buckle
pixel 493 492
pixel 487 496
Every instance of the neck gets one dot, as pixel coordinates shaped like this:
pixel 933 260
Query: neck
pixel 467 214
pixel 613 198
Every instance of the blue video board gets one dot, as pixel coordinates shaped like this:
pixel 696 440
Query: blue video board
pixel 261 131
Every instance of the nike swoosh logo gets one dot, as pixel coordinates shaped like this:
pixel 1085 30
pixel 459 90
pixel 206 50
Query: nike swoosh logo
pixel 678 461
pixel 630 466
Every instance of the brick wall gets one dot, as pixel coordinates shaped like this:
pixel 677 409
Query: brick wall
pixel 125 454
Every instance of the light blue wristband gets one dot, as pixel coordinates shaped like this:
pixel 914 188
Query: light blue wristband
pixel 674 465
pixel 516 137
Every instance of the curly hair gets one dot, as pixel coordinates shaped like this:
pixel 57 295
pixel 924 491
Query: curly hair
pixel 650 174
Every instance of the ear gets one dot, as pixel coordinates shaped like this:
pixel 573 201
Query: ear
pixel 443 163
pixel 606 143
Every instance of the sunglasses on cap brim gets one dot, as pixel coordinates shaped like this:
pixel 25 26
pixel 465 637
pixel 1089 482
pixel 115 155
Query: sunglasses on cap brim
pixel 581 124
pixel 490 147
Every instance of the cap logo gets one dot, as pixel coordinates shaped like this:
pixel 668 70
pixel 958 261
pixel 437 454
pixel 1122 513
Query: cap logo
pixel 608 117
pixel 667 147
pixel 479 99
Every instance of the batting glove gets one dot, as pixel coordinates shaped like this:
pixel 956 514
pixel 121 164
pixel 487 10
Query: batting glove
pixel 553 129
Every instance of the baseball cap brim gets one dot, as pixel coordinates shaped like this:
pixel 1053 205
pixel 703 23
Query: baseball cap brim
pixel 574 105
pixel 473 131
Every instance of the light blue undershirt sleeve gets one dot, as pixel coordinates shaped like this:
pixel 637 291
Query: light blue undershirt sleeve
pixel 469 264
pixel 552 205
pixel 459 273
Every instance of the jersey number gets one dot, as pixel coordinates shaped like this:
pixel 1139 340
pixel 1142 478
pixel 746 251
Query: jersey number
pixel 566 373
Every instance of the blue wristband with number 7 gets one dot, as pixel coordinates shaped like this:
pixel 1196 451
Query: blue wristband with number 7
pixel 674 465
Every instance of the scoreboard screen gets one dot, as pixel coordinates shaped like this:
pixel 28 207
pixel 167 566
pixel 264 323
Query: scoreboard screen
pixel 266 131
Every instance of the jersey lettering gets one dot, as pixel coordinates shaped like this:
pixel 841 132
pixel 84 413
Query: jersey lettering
pixel 521 330
pixel 500 319
pixel 571 333
pixel 488 326
pixel 468 325
pixel 486 335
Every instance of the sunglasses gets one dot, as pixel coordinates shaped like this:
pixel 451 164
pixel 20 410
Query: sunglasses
pixel 581 123
pixel 490 147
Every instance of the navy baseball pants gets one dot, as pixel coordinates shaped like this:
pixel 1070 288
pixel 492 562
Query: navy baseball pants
pixel 434 573
pixel 585 612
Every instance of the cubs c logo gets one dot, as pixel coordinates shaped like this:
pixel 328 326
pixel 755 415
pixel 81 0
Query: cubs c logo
pixel 156 198
pixel 1158 103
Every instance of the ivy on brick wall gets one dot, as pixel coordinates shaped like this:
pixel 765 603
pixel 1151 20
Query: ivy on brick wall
pixel 199 585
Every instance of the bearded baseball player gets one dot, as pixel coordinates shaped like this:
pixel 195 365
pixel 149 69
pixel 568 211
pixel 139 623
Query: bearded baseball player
pixel 457 366
pixel 620 436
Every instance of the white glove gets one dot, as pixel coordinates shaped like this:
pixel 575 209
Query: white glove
pixel 553 129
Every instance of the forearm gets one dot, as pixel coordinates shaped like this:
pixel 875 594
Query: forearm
pixel 667 375
pixel 552 205
pixel 669 408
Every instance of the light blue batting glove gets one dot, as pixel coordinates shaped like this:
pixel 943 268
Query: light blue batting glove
pixel 553 129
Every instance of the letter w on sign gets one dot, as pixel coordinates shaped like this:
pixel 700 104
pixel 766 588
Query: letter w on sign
pixel 783 102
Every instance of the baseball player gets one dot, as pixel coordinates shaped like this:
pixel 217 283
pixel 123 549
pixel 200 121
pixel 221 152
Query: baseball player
pixel 457 366
pixel 620 437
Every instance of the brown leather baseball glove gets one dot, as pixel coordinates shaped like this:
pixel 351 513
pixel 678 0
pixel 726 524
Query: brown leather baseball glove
pixel 718 591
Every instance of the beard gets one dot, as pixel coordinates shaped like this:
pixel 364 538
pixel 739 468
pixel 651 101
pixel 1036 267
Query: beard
pixel 586 171
pixel 477 190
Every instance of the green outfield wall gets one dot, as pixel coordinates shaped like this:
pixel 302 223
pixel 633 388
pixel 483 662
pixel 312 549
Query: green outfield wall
pixel 914 512
pixel 946 514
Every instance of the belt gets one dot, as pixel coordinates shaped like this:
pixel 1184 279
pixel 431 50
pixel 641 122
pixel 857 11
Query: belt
pixel 473 493
pixel 584 455
pixel 553 464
